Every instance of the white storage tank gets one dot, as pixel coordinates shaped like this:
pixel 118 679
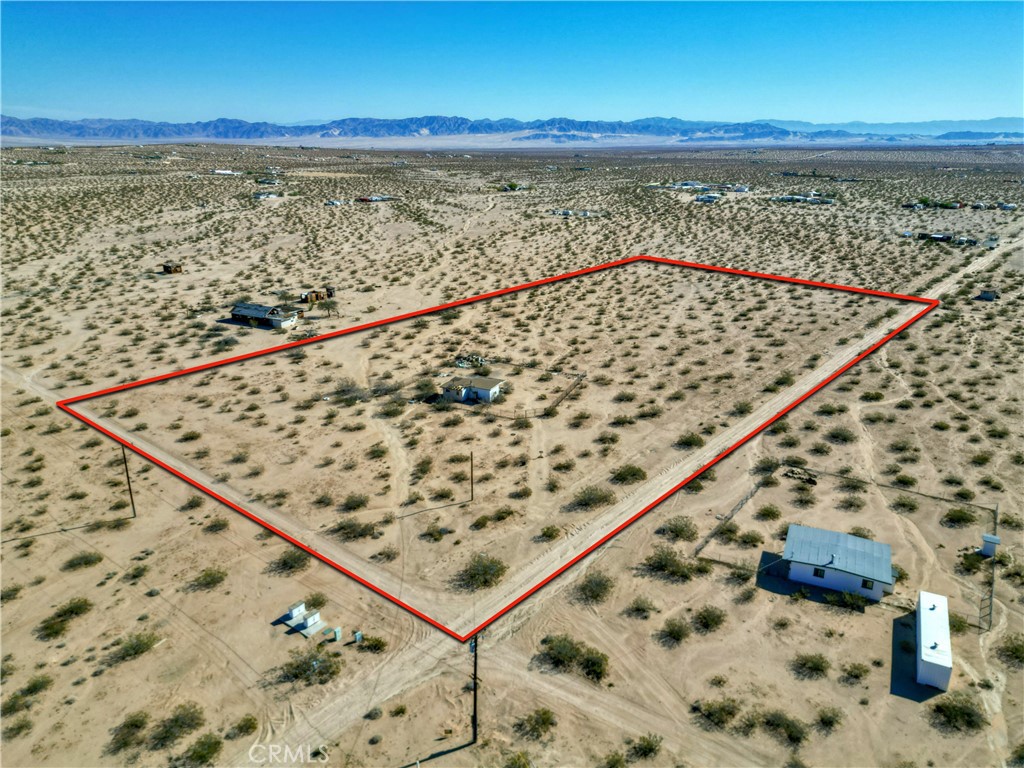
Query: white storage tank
pixel 934 652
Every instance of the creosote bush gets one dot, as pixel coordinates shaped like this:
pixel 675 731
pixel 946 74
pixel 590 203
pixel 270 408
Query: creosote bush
pixel 481 572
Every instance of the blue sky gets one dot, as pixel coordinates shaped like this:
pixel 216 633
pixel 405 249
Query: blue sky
pixel 290 62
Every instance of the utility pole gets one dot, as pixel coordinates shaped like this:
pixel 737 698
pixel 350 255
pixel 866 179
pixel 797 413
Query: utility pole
pixel 124 455
pixel 474 648
pixel 472 490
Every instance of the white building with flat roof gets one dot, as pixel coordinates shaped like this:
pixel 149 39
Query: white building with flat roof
pixel 934 652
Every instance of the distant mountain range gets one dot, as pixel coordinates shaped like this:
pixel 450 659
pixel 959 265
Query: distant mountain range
pixel 460 131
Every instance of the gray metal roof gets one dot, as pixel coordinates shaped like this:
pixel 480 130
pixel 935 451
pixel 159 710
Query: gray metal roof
pixel 839 551
pixel 478 382
pixel 246 309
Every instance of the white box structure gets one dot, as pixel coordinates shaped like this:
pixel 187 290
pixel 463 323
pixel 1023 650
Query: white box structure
pixel 934 652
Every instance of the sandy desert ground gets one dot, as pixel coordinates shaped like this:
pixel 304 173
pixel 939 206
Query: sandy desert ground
pixel 174 610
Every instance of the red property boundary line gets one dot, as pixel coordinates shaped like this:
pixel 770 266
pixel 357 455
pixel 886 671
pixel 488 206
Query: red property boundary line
pixel 65 405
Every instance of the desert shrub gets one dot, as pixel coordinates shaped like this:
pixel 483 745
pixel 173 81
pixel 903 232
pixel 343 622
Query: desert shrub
pixel 592 496
pixel 374 714
pixel 351 530
pixel 208 579
pixel 315 601
pixel 708 619
pixel 958 518
pixel 245 726
pixel 828 718
pixel 314 665
pixel 718 713
pixel 727 531
pixel 862 533
pixel 677 528
pixel 614 760
pixel 56 624
pixel 593 664
pixel 628 474
pixel 216 525
pixel 689 440
pixel 355 501
pixel 905 503
pixel 518 760
pixel 204 751
pixel 550 532
pixel 674 632
pixel 131 647
pixel 1011 650
pixel 537 724
pixel 191 503
pixel 641 608
pixel 1011 521
pixel 399 711
pixel 784 727
pixel 128 733
pixel 958 711
pixel 645 747
pixel 481 572
pixel 594 587
pixel 387 555
pixel 768 512
pixel 751 539
pixel 292 561
pixel 184 719
pixel 853 673
pixel 809 666
pixel 18 727
pixel 563 653
pixel 373 644
pixel 666 563
pixel 958 624
pixel 377 451
pixel 81 560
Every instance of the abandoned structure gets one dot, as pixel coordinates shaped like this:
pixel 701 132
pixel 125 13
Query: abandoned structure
pixel 171 267
pixel 987 295
pixel 472 389
pixel 934 651
pixel 311 297
pixel 839 561
pixel 264 316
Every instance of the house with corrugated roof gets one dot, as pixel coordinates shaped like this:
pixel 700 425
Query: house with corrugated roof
pixel 471 389
pixel 839 561
pixel 262 315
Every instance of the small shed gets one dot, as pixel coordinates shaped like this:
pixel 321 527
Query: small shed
pixel 987 295
pixel 171 267
pixel 839 561
pixel 469 389
pixel 934 652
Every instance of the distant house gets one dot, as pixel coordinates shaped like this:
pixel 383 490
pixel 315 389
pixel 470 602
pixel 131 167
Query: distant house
pixel 219 172
pixel 741 188
pixel 268 182
pixel 987 295
pixel 470 389
pixel 264 316
pixel 839 561
pixel 712 198
pixel 1008 206
pixel 171 267
pixel 265 195
pixel 934 651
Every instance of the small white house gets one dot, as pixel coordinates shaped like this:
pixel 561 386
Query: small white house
pixel 469 389
pixel 934 651
pixel 839 561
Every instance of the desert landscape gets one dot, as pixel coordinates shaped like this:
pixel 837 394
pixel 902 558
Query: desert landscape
pixel 142 619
